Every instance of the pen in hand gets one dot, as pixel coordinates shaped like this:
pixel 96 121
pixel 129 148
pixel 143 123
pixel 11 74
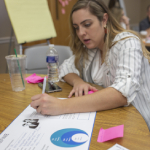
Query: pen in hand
pixel 44 85
pixel 35 103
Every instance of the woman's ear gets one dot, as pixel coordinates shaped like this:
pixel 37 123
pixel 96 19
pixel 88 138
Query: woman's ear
pixel 105 19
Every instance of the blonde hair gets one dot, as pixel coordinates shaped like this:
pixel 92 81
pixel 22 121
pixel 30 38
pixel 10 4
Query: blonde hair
pixel 117 13
pixel 97 8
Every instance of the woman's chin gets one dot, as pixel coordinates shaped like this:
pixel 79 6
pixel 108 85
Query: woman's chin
pixel 91 47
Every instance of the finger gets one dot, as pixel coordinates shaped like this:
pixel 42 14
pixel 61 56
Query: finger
pixel 76 93
pixel 86 91
pixel 44 112
pixel 71 93
pixel 80 92
pixel 35 97
pixel 35 104
pixel 38 109
pixel 93 89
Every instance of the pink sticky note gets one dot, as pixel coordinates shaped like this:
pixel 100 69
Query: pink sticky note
pixel 66 2
pixel 63 11
pixel 63 3
pixel 111 133
pixel 90 92
pixel 34 79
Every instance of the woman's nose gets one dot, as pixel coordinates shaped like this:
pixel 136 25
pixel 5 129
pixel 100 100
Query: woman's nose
pixel 82 31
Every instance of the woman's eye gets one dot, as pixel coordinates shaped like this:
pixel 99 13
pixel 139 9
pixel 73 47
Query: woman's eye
pixel 76 28
pixel 87 25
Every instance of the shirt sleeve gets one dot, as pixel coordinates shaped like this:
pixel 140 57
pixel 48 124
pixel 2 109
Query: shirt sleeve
pixel 128 71
pixel 67 67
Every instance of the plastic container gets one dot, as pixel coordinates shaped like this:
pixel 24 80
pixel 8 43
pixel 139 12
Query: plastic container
pixel 52 60
pixel 16 68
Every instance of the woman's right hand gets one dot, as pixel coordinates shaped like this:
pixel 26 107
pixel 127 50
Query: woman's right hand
pixel 125 19
pixel 81 88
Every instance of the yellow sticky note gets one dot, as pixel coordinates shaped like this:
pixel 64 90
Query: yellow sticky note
pixel 31 20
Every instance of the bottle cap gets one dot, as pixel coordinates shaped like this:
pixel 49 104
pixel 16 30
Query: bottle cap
pixel 51 45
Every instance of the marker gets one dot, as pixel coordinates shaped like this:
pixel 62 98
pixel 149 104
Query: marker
pixel 44 85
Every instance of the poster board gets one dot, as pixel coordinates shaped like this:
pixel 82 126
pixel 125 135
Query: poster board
pixel 33 131
pixel 31 20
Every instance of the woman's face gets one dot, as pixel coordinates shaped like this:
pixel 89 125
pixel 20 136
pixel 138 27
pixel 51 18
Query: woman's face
pixel 122 14
pixel 88 28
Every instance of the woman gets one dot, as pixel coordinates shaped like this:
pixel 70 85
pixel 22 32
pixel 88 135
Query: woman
pixel 104 54
pixel 118 14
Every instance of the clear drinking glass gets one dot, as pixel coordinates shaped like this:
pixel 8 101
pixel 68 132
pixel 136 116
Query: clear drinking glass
pixel 16 68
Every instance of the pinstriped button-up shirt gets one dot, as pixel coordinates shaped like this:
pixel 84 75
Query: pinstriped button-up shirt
pixel 126 70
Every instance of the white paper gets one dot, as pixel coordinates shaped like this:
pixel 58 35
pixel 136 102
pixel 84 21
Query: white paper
pixel 118 147
pixel 69 131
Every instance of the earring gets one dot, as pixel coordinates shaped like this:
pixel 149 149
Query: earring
pixel 105 28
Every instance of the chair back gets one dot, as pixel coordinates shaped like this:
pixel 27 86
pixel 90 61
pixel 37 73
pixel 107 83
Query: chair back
pixel 36 58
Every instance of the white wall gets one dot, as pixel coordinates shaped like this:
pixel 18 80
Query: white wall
pixel 5 25
pixel 133 9
pixel 5 31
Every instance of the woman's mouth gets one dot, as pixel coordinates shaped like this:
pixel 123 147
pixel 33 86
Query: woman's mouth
pixel 86 41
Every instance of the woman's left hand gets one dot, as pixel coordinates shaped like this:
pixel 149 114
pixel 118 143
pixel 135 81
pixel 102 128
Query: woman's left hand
pixel 47 105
